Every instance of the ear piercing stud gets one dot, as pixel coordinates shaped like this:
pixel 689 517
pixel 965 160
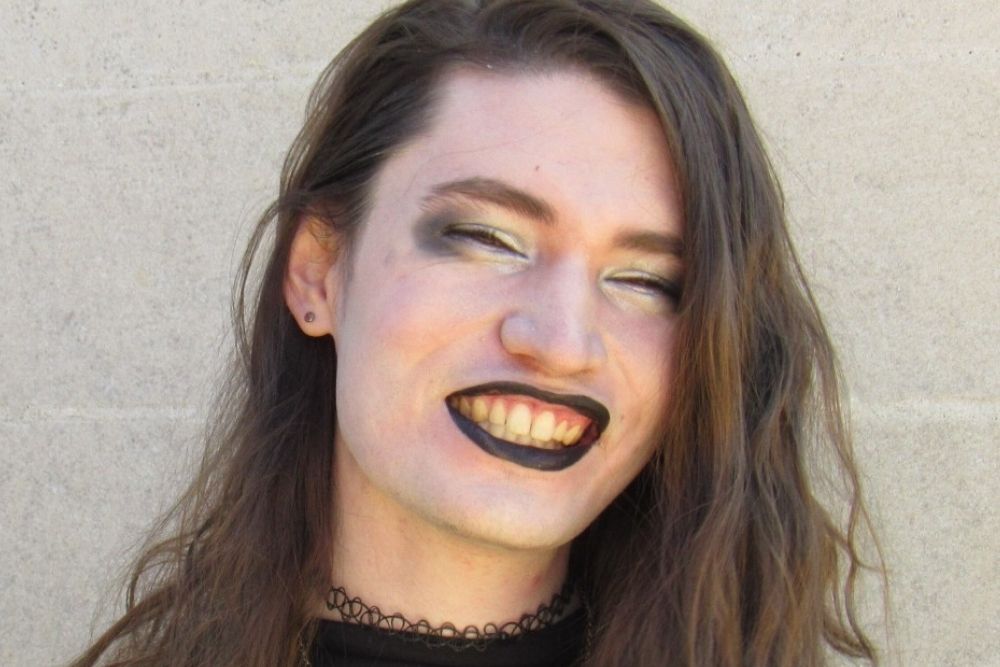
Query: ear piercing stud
pixel 310 316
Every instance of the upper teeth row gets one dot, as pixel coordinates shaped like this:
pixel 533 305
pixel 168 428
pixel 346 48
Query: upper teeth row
pixel 517 423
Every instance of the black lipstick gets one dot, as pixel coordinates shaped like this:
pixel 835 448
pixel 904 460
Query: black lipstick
pixel 525 455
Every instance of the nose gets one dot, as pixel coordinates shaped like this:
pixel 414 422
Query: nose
pixel 553 327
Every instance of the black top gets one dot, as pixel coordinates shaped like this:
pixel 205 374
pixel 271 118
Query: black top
pixel 352 645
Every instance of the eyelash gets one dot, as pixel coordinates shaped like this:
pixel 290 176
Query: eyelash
pixel 646 283
pixel 484 236
pixel 494 240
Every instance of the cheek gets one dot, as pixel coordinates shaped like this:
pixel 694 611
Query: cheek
pixel 642 354
pixel 426 311
pixel 405 323
pixel 434 306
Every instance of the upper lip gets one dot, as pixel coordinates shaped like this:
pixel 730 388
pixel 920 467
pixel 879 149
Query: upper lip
pixel 583 404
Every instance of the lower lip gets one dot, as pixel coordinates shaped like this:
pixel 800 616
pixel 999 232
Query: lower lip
pixel 522 455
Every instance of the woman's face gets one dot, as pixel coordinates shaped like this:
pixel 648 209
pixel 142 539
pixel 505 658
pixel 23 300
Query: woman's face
pixel 505 323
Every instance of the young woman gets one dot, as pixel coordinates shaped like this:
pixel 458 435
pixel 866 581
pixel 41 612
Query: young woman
pixel 532 375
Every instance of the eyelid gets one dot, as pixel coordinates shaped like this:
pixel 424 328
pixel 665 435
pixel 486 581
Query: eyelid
pixel 488 236
pixel 668 287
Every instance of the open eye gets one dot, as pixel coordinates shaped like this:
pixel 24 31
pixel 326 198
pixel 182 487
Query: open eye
pixel 490 238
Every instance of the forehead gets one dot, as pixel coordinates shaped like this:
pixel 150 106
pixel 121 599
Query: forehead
pixel 562 135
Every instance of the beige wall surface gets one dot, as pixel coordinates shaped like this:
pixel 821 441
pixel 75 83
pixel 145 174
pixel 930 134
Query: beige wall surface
pixel 138 140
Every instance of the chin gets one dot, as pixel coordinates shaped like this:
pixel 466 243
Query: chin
pixel 509 517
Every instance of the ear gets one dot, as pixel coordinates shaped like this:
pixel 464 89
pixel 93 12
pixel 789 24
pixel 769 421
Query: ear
pixel 312 280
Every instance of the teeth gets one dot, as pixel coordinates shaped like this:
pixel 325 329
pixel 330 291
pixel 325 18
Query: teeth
pixel 519 420
pixel 518 425
pixel 480 410
pixel 560 431
pixel 498 413
pixel 543 426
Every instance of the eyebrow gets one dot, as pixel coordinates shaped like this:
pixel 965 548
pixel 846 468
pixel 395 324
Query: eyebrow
pixel 496 192
pixel 493 191
pixel 651 242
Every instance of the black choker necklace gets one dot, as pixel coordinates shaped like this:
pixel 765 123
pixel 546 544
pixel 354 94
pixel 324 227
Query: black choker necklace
pixel 354 610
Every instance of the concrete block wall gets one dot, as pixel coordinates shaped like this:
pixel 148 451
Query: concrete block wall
pixel 139 140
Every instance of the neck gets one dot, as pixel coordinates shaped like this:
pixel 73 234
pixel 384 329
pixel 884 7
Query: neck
pixel 394 559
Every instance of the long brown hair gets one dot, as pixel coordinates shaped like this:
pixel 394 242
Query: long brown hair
pixel 718 554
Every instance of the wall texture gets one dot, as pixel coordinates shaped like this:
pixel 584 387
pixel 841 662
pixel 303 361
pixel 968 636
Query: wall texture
pixel 138 140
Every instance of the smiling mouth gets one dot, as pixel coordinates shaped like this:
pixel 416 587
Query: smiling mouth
pixel 527 426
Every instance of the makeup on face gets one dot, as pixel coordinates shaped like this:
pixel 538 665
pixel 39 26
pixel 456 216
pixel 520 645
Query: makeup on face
pixel 451 231
pixel 512 310
pixel 529 426
pixel 476 217
pixel 473 216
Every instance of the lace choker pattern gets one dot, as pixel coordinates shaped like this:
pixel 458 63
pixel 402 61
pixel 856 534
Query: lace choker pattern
pixel 354 610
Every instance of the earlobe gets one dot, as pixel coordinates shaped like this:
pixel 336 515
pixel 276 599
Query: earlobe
pixel 309 283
